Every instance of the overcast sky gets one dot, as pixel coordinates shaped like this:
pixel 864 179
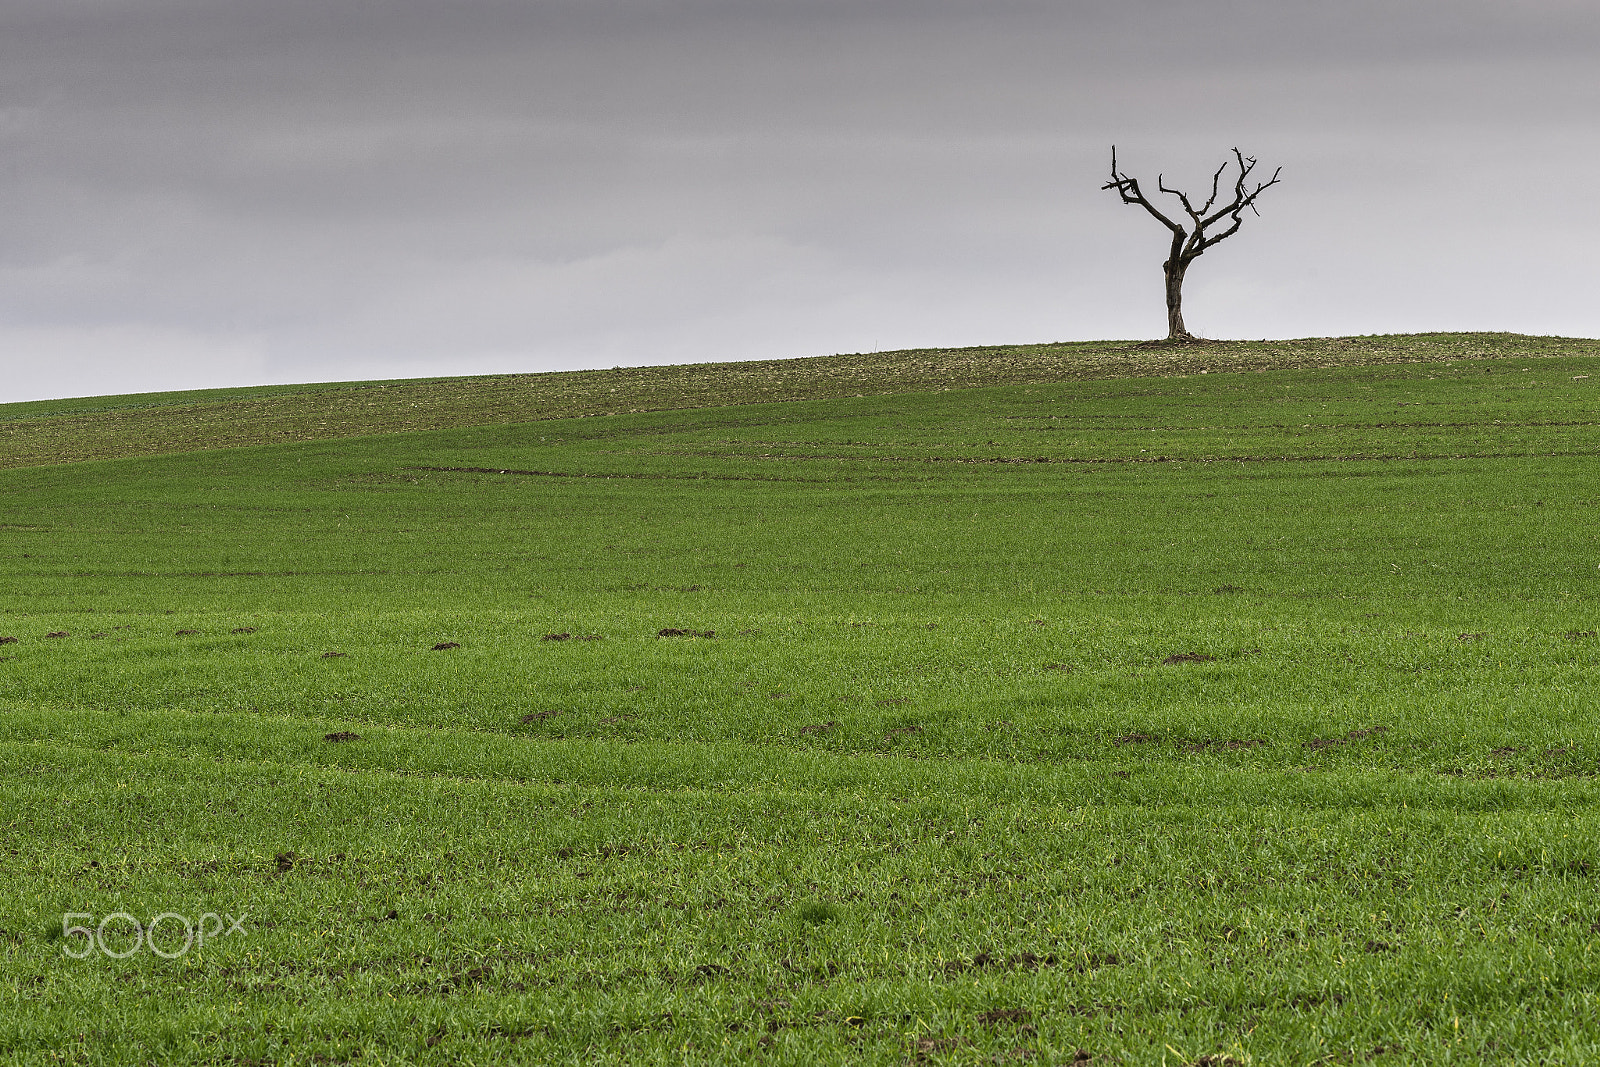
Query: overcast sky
pixel 226 192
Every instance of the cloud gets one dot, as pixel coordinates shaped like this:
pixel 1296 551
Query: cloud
pixel 115 359
pixel 341 189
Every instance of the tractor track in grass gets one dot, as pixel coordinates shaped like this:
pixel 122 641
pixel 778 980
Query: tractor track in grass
pixel 1380 457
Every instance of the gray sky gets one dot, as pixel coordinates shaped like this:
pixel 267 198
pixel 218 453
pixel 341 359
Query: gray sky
pixel 243 191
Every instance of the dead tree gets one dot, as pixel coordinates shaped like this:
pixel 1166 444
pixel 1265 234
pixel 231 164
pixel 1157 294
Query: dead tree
pixel 1189 242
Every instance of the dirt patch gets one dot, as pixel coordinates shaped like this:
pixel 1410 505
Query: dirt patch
pixel 1469 637
pixel 556 637
pixel 1187 657
pixel 1353 735
pixel 466 978
pixel 285 861
pixel 334 655
pixel 8 640
pixel 892 701
pixel 57 633
pixel 1578 635
pixel 1135 739
pixel 1022 961
pixel 1095 960
pixel 184 633
pixel 672 632
pixel 1058 666
pixel 1004 1015
pixel 1179 343
pixel 243 630
pixel 902 732
pixel 923 1047
pixel 445 645
pixel 536 716
pixel 1502 753
pixel 341 735
pixel 1230 743
pixel 818 727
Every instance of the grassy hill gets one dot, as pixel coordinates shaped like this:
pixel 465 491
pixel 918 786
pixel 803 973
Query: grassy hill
pixel 1060 704
pixel 70 431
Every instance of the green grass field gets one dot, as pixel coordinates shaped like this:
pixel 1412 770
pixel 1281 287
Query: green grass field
pixel 936 707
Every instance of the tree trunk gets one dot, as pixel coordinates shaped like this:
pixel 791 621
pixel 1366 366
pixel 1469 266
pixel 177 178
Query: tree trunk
pixel 1174 270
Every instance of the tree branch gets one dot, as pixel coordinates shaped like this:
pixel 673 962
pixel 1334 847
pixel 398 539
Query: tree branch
pixel 1193 214
pixel 1241 199
pixel 1128 189
pixel 1215 178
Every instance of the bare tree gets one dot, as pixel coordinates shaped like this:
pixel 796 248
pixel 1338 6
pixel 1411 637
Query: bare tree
pixel 1187 243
